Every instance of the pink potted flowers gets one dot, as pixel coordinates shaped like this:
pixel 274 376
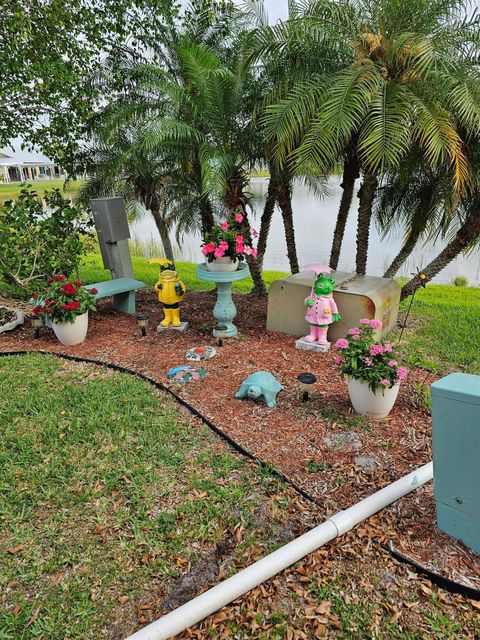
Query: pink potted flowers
pixel 372 369
pixel 226 244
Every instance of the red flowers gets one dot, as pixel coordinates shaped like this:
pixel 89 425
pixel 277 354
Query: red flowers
pixel 94 291
pixel 63 301
pixel 68 289
pixel 70 306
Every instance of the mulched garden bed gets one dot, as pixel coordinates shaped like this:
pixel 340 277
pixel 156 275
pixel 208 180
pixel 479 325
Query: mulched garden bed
pixel 335 455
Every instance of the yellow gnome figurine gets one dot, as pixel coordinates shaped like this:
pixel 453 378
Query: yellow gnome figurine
pixel 171 292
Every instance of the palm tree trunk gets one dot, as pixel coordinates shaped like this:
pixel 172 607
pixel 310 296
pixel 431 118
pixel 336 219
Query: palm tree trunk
pixel 207 215
pixel 350 174
pixel 285 204
pixel 365 209
pixel 468 233
pixel 403 254
pixel 162 229
pixel 265 223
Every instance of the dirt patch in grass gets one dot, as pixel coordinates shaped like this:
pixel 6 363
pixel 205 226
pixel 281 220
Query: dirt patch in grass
pixel 294 438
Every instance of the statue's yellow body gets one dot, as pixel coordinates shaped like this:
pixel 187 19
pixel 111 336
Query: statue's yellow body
pixel 171 291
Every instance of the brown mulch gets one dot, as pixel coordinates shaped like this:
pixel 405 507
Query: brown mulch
pixel 291 436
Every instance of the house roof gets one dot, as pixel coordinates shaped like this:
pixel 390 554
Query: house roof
pixel 23 157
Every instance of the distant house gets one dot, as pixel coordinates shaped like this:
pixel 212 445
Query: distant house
pixel 24 166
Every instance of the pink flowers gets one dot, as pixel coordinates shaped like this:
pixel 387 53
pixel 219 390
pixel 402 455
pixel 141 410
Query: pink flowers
pixel 208 248
pixel 388 347
pixel 376 349
pixel 225 226
pixel 238 217
pixel 338 359
pixel 375 324
pixel 354 332
pixel 342 343
pixel 402 373
pixel 393 363
pixel 385 382
pixel 368 362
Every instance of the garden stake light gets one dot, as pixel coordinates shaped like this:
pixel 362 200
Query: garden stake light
pixel 220 331
pixel 421 280
pixel 37 323
pixel 306 379
pixel 142 321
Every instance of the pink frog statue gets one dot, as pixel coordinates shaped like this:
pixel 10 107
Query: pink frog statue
pixel 321 307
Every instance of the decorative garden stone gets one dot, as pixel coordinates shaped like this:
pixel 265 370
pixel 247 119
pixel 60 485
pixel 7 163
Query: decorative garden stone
pixel 200 353
pixel 262 385
pixel 186 373
pixel 171 291
pixel 321 309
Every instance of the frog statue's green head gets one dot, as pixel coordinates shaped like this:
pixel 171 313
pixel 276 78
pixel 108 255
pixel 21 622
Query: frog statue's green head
pixel 324 284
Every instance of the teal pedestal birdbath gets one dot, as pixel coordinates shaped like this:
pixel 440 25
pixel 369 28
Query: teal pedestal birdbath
pixel 224 310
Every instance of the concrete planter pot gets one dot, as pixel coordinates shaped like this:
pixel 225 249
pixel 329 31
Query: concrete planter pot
pixel 373 405
pixel 225 264
pixel 71 333
pixel 17 320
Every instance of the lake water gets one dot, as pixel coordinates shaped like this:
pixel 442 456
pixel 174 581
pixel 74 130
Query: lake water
pixel 314 219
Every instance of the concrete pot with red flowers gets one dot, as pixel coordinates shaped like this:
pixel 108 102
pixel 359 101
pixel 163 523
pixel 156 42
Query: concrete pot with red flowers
pixel 225 245
pixel 65 306
pixel 371 368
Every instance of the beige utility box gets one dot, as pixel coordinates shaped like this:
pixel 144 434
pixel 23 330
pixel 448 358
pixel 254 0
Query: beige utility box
pixel 357 297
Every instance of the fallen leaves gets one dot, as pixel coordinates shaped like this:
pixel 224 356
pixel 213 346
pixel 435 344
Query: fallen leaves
pixel 17 549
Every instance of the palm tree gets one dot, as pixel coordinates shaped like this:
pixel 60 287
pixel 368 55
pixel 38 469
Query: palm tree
pixel 420 200
pixel 122 168
pixel 410 81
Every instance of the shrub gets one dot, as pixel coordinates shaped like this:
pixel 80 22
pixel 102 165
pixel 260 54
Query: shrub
pixel 460 281
pixel 38 243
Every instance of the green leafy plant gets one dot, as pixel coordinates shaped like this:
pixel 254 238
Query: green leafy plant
pixel 460 281
pixel 366 360
pixel 38 241
pixel 63 301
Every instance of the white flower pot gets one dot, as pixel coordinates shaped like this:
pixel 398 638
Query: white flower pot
pixel 374 405
pixel 223 264
pixel 70 333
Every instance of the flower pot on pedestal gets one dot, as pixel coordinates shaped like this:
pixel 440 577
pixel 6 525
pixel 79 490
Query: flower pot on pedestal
pixel 226 264
pixel 72 333
pixel 376 404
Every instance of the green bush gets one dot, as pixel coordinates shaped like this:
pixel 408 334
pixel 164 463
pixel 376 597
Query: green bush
pixel 37 243
pixel 460 281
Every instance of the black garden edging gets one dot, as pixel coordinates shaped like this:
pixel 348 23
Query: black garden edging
pixel 435 578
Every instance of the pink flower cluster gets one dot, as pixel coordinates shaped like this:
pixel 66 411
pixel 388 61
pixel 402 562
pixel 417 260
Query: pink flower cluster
pixel 375 324
pixel 368 362
pixel 342 343
pixel 376 349
pixel 385 382
pixel 354 332
pixel 402 373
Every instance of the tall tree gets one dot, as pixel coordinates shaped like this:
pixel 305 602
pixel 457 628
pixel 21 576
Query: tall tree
pixel 50 50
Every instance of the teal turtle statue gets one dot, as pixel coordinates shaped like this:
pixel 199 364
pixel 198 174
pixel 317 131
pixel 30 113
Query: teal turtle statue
pixel 260 384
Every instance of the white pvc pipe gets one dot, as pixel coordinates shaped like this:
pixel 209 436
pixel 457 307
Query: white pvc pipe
pixel 225 592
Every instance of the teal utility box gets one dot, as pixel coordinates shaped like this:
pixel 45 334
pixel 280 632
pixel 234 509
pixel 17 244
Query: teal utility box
pixel 456 456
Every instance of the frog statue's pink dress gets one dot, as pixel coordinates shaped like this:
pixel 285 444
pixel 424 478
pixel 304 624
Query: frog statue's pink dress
pixel 319 316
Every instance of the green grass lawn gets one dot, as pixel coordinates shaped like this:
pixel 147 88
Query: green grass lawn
pixel 92 271
pixel 444 330
pixel 11 190
pixel 106 495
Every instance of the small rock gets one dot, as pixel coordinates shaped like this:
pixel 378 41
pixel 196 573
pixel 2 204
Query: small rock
pixel 349 440
pixel 366 463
